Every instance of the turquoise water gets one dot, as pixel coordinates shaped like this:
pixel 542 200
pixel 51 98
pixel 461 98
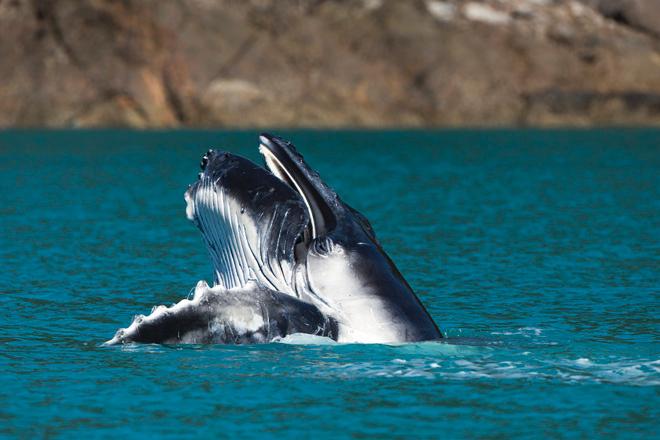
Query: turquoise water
pixel 537 253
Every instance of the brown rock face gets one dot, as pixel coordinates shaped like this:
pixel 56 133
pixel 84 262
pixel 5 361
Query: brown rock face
pixel 362 63
pixel 71 63
pixel 640 14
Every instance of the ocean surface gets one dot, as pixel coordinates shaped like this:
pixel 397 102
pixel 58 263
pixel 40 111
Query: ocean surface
pixel 537 253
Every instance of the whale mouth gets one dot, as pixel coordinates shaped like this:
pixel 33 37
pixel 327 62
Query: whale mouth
pixel 259 221
pixel 285 163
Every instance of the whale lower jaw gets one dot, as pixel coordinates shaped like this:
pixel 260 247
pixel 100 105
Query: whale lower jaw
pixel 238 243
pixel 228 243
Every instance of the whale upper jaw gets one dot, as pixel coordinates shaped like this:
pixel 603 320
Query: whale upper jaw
pixel 284 161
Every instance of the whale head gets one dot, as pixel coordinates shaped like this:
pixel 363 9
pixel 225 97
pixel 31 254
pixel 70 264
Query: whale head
pixel 284 227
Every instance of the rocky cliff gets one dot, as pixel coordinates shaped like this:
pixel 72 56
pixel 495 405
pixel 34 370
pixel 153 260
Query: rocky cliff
pixel 355 63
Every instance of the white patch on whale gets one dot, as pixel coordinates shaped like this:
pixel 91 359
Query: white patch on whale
pixel 359 311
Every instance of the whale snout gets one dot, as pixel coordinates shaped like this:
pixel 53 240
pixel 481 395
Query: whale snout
pixel 205 159
pixel 213 161
pixel 211 157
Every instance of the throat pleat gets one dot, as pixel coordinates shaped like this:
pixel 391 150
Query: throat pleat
pixel 236 270
pixel 245 245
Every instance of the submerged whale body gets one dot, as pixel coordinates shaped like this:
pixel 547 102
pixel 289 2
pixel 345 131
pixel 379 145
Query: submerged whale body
pixel 289 256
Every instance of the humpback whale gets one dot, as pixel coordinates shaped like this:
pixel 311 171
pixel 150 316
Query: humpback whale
pixel 288 256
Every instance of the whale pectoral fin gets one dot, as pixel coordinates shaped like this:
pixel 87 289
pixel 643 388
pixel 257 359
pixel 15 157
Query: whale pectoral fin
pixel 249 314
pixel 184 321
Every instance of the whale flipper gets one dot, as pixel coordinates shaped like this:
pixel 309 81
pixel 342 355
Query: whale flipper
pixel 245 315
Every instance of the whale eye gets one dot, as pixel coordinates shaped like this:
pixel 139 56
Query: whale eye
pixel 322 246
pixel 206 158
pixel 325 246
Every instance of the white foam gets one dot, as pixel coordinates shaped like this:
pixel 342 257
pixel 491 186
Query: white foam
pixel 583 362
pixel 305 339
pixel 522 331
